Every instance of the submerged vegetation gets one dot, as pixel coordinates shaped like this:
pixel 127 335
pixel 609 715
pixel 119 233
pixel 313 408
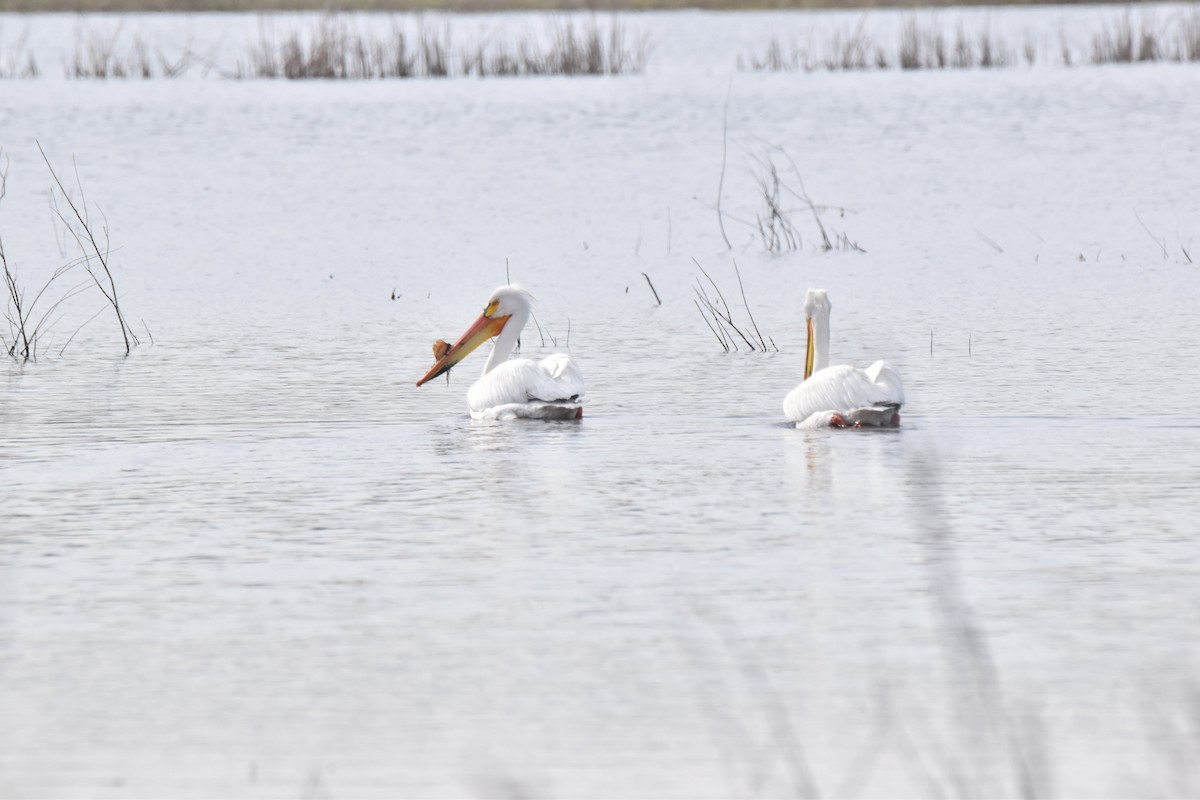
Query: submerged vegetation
pixel 926 45
pixel 32 317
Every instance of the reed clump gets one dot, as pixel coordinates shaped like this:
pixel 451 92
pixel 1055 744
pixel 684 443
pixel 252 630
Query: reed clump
pixel 925 45
pixel 16 61
pixel 917 47
pixel 99 56
pixel 1129 41
pixel 334 51
pixel 1126 42
pixel 1187 37
pixel 782 195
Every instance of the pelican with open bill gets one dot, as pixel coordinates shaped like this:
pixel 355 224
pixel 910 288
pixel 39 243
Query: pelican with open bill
pixel 512 388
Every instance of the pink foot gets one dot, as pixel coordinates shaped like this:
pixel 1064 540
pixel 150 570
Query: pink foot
pixel 896 420
pixel 837 421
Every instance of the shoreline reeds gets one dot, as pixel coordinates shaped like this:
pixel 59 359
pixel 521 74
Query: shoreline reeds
pixel 334 51
pixel 927 45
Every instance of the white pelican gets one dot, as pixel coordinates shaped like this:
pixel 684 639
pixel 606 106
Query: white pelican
pixel 840 396
pixel 513 388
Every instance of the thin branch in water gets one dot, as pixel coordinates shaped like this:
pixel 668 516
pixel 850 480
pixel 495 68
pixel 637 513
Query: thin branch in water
pixel 724 158
pixel 746 303
pixel 726 339
pixel 704 317
pixel 539 328
pixel 657 301
pixel 81 327
pixel 727 317
pixel 668 230
pixel 111 295
pixel 803 195
pixel 1162 243
pixel 984 238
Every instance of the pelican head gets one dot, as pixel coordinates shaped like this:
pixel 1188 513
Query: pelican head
pixel 507 303
pixel 816 304
pixel 816 315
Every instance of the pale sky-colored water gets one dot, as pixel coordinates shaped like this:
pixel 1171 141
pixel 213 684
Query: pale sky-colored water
pixel 252 559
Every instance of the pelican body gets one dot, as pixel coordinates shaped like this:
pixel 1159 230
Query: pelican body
pixel 512 388
pixel 840 396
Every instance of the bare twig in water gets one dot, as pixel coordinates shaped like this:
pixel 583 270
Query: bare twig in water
pixel 109 292
pixel 722 314
pixel 704 317
pixel 1162 243
pixel 726 338
pixel 803 195
pixel 724 155
pixel 70 339
pixel 668 230
pixel 27 332
pixel 746 303
pixel 539 328
pixel 657 301
pixel 727 316
pixel 988 241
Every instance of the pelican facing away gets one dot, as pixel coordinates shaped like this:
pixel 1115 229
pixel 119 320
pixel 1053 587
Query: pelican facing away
pixel 512 388
pixel 841 396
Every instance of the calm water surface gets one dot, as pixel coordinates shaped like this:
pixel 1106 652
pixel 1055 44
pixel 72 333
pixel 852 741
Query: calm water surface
pixel 251 559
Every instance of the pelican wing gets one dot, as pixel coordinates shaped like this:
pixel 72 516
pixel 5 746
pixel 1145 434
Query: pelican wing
pixel 565 373
pixel 555 379
pixel 846 390
pixel 888 385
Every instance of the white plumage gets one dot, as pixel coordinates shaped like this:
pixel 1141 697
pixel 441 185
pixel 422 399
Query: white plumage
pixel 840 396
pixel 548 389
pixel 514 388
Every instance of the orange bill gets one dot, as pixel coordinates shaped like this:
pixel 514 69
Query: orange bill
pixel 483 329
pixel 810 352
